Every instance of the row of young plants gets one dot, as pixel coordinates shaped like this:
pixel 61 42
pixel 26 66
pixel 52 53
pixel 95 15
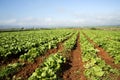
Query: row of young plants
pixel 69 44
pixel 95 67
pixel 51 67
pixel 113 35
pixel 32 54
pixel 14 43
pixel 48 70
pixel 41 49
pixel 9 70
pixel 109 41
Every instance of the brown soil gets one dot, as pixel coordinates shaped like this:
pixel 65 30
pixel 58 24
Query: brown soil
pixel 103 54
pixel 74 67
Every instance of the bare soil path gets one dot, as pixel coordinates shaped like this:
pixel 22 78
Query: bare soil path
pixel 76 69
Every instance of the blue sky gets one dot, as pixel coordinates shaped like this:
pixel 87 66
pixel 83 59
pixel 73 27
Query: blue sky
pixel 59 12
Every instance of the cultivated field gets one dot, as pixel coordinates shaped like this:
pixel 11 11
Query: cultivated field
pixel 65 54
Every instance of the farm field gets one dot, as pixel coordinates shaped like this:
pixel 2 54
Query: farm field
pixel 61 54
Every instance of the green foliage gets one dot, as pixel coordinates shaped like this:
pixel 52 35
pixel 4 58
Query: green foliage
pixel 30 44
pixel 49 68
pixel 95 67
pixel 108 40
pixel 9 70
pixel 69 44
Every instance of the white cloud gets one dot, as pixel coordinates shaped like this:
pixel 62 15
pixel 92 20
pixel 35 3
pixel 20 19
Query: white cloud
pixel 61 10
pixel 78 20
pixel 10 21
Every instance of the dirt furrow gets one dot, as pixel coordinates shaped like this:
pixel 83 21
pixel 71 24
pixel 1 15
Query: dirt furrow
pixel 76 69
pixel 103 54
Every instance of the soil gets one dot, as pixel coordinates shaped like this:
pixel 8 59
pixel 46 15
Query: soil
pixel 73 69
pixel 103 54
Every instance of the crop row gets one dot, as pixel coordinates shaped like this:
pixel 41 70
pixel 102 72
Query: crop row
pixel 52 65
pixel 14 43
pixel 10 69
pixel 32 44
pixel 109 41
pixel 41 49
pixel 35 51
pixel 95 67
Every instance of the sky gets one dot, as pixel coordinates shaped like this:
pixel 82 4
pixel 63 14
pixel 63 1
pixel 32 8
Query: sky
pixel 56 13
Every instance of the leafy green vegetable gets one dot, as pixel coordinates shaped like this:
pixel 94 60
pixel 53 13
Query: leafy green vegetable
pixel 49 68
pixel 10 70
